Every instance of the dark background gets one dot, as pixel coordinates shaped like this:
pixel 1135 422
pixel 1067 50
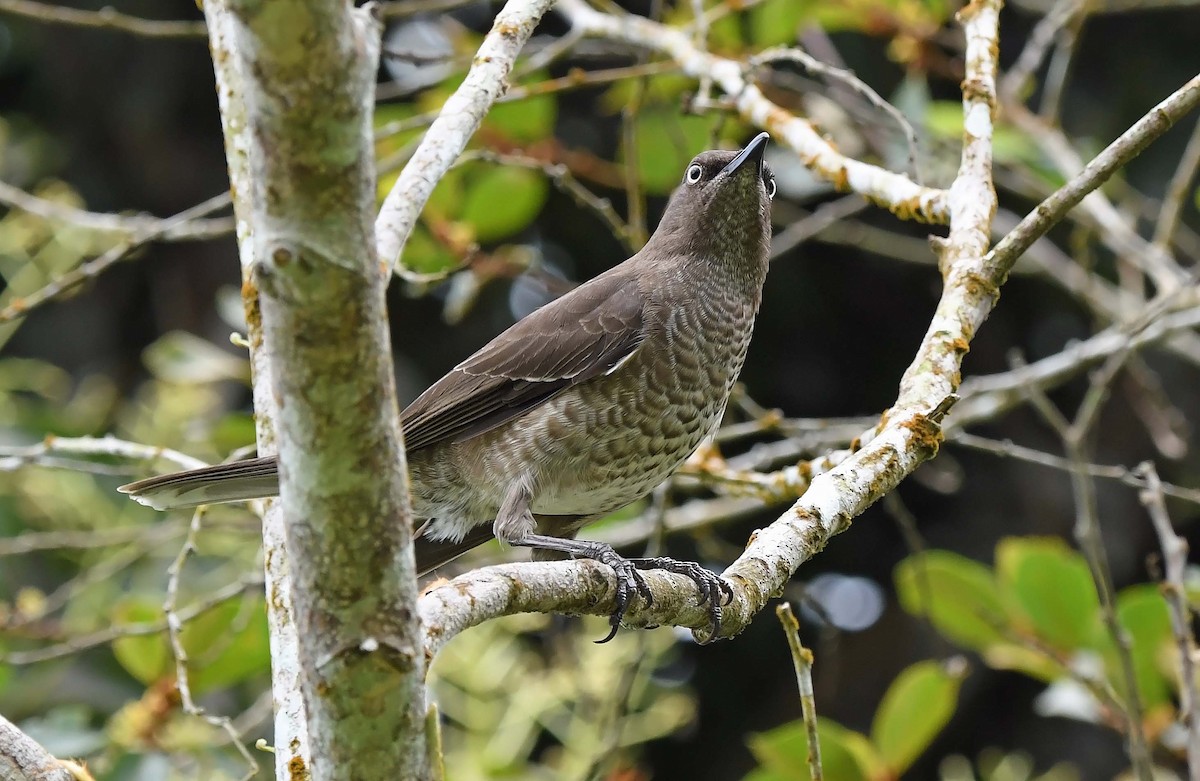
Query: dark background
pixel 132 124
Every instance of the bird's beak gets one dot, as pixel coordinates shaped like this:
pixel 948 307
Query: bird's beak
pixel 753 153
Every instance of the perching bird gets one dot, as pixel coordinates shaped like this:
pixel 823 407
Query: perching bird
pixel 586 404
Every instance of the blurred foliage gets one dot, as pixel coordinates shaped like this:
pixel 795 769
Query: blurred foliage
pixel 529 697
pixel 1037 613
pixel 917 705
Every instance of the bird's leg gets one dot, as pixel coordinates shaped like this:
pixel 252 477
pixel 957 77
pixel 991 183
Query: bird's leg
pixel 515 525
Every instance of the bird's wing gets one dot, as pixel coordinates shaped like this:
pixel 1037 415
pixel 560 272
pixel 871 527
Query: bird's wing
pixel 585 334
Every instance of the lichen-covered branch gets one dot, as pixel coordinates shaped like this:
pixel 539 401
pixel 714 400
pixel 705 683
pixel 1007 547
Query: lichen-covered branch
pixel 23 759
pixel 908 436
pixel 296 100
pixel 456 123
pixel 896 192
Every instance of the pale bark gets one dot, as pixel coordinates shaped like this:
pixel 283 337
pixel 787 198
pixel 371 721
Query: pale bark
pixel 23 759
pixel 296 84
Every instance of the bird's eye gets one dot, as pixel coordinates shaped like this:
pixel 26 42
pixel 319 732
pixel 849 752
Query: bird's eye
pixel 771 188
pixel 694 172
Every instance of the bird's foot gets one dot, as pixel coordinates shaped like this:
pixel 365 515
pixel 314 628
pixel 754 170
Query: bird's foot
pixel 713 588
pixel 629 582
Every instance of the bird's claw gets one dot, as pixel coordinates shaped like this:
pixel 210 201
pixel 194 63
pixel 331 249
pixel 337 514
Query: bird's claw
pixel 713 589
pixel 629 582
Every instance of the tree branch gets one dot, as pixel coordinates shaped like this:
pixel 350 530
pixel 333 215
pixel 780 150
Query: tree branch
pixel 458 120
pixel 897 193
pixel 909 435
pixel 296 101
pixel 23 759
pixel 105 19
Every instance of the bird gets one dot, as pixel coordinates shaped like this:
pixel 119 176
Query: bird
pixel 586 404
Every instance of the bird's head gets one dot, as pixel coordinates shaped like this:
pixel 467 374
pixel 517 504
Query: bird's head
pixel 722 208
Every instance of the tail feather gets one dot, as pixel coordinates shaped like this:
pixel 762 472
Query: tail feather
pixel 431 554
pixel 258 478
pixel 239 481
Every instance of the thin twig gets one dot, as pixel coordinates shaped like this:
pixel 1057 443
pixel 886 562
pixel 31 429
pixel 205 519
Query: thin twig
pixel 797 55
pixel 1127 146
pixel 562 178
pixel 106 18
pixel 104 636
pixel 1176 193
pixel 1030 59
pixel 1074 434
pixel 1175 552
pixel 130 226
pixel 802 660
pixel 1118 473
pixel 93 268
pixel 175 635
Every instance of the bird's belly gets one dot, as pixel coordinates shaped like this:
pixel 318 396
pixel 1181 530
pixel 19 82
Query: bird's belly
pixel 590 450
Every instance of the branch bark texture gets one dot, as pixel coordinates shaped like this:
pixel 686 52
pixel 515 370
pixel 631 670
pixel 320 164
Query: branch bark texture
pixel 23 759
pixel 893 191
pixel 486 81
pixel 296 82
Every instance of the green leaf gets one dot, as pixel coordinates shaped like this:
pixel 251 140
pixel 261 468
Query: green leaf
pixel 776 22
pixel 1031 662
pixel 1052 587
pixel 146 657
pixel 783 752
pixel 918 704
pixel 666 142
pixel 425 255
pixel 960 597
pixel 530 119
pixel 503 200
pixel 227 644
pixel 1142 611
pixel 181 357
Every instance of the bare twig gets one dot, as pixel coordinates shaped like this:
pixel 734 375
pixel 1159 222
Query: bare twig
pixel 1103 166
pixel 106 18
pixel 1044 32
pixel 1121 474
pixel 1115 230
pixel 1176 192
pixel 175 635
pixel 802 660
pixel 1074 434
pixel 129 226
pixel 825 215
pixel 14 457
pixel 23 759
pixel 897 193
pixel 456 123
pixel 1175 552
pixel 562 178
pixel 93 268
pixel 103 636
pixel 847 77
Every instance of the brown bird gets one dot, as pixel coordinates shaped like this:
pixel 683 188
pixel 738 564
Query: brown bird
pixel 586 404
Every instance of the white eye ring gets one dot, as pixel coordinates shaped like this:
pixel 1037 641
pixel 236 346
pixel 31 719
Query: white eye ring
pixel 771 189
pixel 694 172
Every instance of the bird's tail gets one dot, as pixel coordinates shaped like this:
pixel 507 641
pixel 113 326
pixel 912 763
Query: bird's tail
pixel 239 481
pixel 258 478
pixel 431 554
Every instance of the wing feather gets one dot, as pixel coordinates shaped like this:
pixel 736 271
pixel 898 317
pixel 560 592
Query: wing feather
pixel 582 335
